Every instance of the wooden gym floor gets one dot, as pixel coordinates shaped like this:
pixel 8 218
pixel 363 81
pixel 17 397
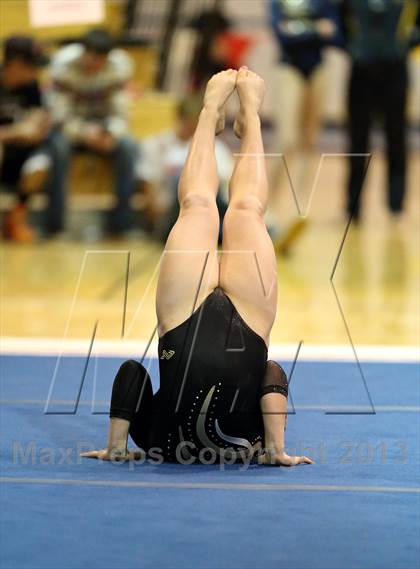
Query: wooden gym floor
pixel 60 288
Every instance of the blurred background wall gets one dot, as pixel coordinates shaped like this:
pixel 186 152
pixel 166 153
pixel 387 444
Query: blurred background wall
pixel 158 36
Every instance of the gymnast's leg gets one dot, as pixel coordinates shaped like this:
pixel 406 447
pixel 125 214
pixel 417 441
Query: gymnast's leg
pixel 189 269
pixel 248 263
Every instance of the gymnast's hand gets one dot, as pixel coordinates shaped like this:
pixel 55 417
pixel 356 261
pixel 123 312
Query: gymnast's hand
pixel 283 459
pixel 113 454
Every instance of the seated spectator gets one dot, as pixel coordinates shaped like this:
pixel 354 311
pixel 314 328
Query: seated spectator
pixel 162 158
pixel 90 103
pixel 29 154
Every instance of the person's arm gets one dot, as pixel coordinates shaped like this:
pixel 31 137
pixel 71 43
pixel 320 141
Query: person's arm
pixel 274 411
pixel 63 113
pixel 77 129
pixel 60 105
pixel 34 125
pixel 333 23
pixel 9 133
pixel 123 69
pixel 33 129
pixel 116 450
pixel 117 121
pixel 59 98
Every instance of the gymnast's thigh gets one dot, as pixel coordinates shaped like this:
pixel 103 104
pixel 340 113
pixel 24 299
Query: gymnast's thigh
pixel 189 269
pixel 248 269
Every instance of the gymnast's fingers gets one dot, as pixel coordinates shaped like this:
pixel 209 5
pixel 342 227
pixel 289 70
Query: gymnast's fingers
pixel 99 454
pixel 303 460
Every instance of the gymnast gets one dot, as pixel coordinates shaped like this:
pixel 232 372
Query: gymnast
pixel 218 395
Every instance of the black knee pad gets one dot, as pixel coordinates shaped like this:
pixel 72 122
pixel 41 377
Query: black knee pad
pixel 132 386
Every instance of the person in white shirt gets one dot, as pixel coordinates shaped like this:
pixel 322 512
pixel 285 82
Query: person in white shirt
pixel 161 160
pixel 89 101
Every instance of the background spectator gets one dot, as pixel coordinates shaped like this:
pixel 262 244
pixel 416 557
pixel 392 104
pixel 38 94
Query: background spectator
pixel 90 103
pixel 302 30
pixel 162 158
pixel 378 36
pixel 210 56
pixel 30 156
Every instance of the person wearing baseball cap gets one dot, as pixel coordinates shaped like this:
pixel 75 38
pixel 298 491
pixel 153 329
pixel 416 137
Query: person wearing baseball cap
pixel 26 157
pixel 26 50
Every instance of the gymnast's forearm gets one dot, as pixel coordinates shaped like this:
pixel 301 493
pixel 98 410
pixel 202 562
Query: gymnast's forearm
pixel 117 443
pixel 274 410
pixel 118 434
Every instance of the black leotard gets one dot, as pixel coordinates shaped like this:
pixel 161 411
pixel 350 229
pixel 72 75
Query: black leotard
pixel 212 368
pixel 211 372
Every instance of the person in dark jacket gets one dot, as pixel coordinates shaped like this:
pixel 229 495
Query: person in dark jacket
pixel 378 36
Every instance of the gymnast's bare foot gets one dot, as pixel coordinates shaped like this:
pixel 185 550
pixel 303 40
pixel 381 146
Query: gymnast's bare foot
pixel 218 90
pixel 251 91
